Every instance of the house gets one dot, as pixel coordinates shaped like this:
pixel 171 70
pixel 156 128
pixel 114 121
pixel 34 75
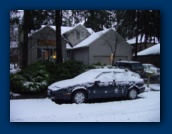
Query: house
pixel 141 42
pixel 100 47
pixel 150 55
pixel 42 43
pixel 80 44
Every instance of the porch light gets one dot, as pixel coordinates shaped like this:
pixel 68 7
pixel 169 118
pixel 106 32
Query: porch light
pixel 54 57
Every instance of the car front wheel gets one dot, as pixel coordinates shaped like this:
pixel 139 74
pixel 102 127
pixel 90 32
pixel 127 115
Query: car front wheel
pixel 79 97
pixel 132 94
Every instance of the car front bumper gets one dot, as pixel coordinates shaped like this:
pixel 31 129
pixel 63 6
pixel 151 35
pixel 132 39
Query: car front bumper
pixel 55 95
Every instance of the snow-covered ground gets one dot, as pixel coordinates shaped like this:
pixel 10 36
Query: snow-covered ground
pixel 144 109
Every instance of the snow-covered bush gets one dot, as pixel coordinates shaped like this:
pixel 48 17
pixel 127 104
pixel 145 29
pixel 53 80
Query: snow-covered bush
pixel 14 68
pixel 35 78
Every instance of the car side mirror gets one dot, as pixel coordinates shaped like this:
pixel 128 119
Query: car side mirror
pixel 97 82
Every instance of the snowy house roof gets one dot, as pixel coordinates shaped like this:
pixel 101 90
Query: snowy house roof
pixel 65 29
pixel 142 40
pixel 89 39
pixel 151 50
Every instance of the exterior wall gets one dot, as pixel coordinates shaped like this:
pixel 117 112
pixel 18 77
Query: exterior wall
pixel 81 54
pixel 72 35
pixel 101 52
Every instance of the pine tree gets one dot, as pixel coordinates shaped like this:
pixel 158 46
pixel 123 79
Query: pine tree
pixel 131 23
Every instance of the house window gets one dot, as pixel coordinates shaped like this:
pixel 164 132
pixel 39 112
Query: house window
pixel 80 35
pixel 44 53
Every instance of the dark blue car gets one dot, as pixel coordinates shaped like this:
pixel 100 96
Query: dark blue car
pixel 97 83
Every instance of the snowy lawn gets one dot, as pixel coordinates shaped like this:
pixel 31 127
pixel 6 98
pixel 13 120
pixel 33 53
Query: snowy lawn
pixel 144 109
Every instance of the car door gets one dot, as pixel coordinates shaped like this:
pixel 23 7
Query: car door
pixel 104 85
pixel 121 84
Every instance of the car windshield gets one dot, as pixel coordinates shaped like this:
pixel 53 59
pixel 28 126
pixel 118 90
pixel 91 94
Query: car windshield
pixel 105 76
pixel 91 74
pixel 137 65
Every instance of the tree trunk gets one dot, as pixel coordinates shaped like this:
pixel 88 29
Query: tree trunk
pixel 137 32
pixel 145 42
pixel 58 21
pixel 114 53
pixel 25 39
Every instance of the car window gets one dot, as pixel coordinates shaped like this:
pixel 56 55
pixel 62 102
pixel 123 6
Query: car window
pixel 105 76
pixel 120 76
pixel 136 66
pixel 127 65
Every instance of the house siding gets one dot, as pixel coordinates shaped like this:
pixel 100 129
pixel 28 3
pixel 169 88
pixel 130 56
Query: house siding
pixel 81 55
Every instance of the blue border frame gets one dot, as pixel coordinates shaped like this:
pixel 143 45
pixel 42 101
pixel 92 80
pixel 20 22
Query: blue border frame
pixel 166 22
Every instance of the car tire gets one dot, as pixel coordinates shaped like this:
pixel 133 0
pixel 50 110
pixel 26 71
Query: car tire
pixel 132 94
pixel 79 97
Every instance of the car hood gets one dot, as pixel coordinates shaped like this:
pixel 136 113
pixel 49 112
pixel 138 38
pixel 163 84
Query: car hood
pixel 68 83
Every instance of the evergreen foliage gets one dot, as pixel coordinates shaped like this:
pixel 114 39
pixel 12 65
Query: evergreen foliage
pixel 33 79
pixel 148 23
pixel 37 77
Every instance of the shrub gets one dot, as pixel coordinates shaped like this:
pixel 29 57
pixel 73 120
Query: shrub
pixel 34 78
pixel 66 70
pixel 38 76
